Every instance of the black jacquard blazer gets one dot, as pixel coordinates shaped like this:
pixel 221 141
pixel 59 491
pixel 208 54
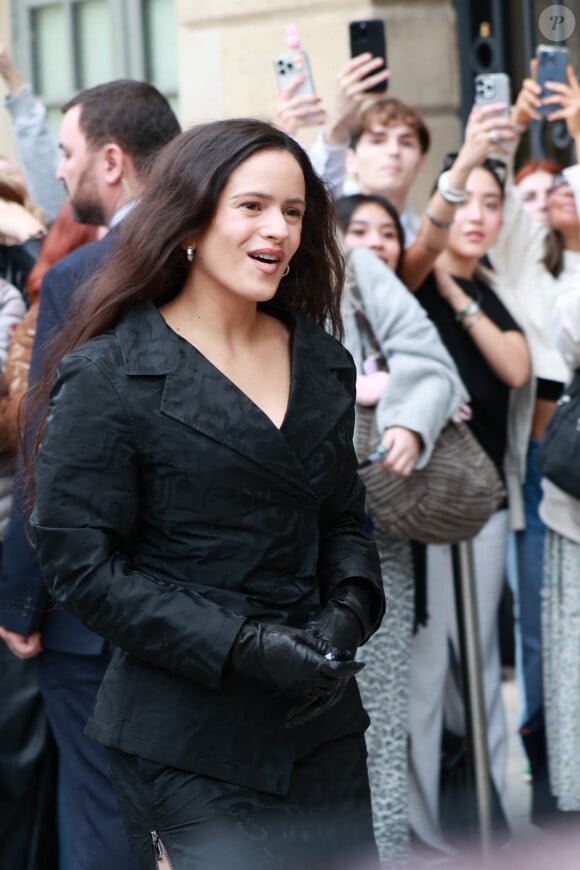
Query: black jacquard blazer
pixel 170 508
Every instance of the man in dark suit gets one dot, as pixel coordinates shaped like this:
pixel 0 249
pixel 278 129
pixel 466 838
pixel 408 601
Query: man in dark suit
pixel 108 134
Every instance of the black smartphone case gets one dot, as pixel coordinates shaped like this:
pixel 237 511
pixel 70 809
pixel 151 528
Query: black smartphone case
pixel 369 35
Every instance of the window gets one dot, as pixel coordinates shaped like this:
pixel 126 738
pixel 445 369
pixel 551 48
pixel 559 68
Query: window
pixel 63 46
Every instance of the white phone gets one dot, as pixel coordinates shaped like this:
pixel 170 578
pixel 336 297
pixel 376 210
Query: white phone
pixel 493 88
pixel 289 66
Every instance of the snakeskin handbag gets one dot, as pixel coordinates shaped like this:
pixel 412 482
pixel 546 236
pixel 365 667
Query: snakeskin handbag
pixel 447 501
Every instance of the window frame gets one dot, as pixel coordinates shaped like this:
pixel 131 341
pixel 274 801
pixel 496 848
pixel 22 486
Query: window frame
pixel 128 43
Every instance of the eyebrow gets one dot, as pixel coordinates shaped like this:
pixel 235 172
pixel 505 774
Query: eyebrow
pixel 364 223
pixel 257 193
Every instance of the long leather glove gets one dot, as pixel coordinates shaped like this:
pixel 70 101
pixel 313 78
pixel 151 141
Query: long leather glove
pixel 289 660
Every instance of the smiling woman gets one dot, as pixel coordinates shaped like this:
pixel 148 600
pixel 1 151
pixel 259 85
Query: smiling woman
pixel 198 504
pixel 491 355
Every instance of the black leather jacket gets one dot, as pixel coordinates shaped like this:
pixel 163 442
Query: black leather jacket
pixel 170 509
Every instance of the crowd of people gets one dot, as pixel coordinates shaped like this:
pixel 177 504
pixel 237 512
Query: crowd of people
pixel 223 657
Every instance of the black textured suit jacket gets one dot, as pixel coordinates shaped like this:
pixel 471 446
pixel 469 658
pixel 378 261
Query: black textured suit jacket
pixel 170 508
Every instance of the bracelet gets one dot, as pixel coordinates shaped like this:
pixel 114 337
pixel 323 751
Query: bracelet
pixel 453 197
pixel 472 307
pixel 41 234
pixel 442 225
pixel 471 319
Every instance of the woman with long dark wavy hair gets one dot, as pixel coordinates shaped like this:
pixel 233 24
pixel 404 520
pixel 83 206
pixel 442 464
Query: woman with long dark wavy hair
pixel 198 504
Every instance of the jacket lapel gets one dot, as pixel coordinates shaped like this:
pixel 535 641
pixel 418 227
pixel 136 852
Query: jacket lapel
pixel 201 397
pixel 321 374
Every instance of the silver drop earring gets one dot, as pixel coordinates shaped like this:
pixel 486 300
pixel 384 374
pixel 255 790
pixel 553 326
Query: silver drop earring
pixel 286 271
pixel 189 252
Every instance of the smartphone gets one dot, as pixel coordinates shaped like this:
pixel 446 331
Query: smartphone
pixel 552 63
pixel 493 88
pixel 289 66
pixel 369 35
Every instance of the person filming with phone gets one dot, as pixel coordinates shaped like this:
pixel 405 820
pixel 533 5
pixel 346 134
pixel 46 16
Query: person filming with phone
pixel 377 138
pixel 535 265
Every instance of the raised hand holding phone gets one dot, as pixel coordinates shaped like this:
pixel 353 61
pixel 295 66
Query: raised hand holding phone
pixel 293 110
pixel 297 104
pixel 528 103
pixel 351 91
pixel 493 88
pixel 493 93
pixel 293 67
pixel 552 61
pixel 368 37
pixel 563 103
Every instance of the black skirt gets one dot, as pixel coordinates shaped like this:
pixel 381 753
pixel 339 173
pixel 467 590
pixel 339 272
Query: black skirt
pixel 194 821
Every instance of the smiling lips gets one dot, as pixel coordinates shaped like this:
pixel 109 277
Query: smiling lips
pixel 268 259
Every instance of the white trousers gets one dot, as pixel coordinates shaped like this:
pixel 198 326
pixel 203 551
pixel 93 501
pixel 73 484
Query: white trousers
pixel 435 698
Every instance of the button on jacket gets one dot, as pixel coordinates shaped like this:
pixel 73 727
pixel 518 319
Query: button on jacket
pixel 170 508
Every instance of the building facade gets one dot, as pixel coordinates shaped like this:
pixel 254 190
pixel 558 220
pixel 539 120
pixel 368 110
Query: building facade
pixel 214 58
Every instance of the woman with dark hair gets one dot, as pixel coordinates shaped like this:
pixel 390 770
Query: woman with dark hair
pixel 371 221
pixel 535 265
pixel 490 352
pixel 412 403
pixel 198 504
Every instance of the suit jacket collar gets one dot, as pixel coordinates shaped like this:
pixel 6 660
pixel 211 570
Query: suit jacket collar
pixel 198 395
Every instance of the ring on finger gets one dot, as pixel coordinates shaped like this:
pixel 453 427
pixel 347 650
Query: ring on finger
pixel 493 135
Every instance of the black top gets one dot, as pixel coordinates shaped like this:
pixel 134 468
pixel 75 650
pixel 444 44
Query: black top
pixel 489 395
pixel 546 389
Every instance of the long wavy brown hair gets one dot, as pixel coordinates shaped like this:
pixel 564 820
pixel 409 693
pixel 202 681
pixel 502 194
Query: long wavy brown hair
pixel 179 200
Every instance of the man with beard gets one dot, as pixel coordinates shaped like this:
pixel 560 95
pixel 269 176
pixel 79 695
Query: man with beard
pixel 108 135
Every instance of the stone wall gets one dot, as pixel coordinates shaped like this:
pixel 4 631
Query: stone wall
pixel 226 51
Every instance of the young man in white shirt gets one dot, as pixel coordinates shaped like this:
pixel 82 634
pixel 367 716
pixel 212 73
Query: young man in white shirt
pixel 380 141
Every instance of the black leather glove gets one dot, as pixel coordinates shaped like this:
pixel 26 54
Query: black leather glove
pixel 341 626
pixel 290 660
pixel 344 622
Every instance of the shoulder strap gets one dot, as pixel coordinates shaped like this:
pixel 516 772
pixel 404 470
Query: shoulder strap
pixel 362 321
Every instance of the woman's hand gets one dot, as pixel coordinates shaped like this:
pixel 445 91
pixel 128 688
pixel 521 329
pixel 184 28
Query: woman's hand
pixel 21 645
pixel 403 447
pixel 528 102
pixel 8 69
pixel 17 224
pixel 566 100
pixel 293 112
pixel 486 133
pixel 449 289
pixel 506 353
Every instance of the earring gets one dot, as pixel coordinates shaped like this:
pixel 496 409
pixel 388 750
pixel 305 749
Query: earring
pixel 286 271
pixel 189 252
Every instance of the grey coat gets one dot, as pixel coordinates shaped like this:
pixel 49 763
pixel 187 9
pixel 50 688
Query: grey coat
pixel 424 387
